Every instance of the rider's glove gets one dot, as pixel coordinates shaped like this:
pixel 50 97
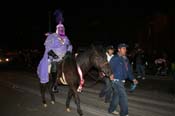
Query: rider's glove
pixel 52 53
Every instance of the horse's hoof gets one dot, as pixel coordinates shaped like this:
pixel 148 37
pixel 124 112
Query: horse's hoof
pixel 45 105
pixel 68 109
pixel 52 102
pixel 81 113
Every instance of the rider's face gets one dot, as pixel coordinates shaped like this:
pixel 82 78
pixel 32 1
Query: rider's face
pixel 61 31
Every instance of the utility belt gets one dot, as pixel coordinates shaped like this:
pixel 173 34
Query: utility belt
pixel 118 80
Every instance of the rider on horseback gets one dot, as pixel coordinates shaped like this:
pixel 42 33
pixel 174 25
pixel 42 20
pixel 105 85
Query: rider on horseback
pixel 57 45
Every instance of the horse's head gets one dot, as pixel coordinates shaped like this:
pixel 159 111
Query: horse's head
pixel 99 60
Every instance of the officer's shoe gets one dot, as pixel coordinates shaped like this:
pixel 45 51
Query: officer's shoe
pixel 115 112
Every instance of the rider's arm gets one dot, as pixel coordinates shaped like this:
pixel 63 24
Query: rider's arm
pixel 49 42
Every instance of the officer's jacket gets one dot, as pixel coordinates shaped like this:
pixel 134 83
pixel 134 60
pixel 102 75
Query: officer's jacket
pixel 121 68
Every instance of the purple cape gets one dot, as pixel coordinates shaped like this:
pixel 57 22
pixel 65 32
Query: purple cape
pixel 52 43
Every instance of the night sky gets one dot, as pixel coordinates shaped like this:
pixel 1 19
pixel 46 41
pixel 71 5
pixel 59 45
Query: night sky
pixel 25 23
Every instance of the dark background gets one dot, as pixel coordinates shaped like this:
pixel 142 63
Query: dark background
pixel 147 22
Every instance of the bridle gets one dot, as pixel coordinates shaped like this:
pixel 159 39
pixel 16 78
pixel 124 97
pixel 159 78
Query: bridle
pixel 101 65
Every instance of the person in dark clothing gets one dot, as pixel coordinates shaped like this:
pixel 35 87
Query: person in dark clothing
pixel 107 89
pixel 140 63
pixel 122 70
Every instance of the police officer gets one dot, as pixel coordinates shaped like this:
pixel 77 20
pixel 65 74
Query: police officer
pixel 121 70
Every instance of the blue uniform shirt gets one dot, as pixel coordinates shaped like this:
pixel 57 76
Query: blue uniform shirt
pixel 121 68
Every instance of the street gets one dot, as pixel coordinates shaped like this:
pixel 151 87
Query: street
pixel 15 102
pixel 20 96
pixel 130 42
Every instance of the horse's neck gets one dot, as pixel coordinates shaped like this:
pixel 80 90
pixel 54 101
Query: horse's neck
pixel 83 60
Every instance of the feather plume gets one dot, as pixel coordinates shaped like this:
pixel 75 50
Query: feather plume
pixel 59 16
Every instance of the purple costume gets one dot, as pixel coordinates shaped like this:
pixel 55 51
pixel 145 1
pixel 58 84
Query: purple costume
pixel 60 45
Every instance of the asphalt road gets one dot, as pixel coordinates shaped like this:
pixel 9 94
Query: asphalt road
pixel 16 102
pixel 20 96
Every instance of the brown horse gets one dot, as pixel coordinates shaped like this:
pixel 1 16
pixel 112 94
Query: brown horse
pixel 68 73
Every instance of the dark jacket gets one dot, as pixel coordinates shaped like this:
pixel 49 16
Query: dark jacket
pixel 140 58
pixel 121 68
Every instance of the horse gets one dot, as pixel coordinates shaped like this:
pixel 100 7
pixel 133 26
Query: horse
pixel 69 73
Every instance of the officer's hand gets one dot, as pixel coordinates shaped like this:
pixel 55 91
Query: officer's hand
pixel 101 74
pixel 111 77
pixel 135 81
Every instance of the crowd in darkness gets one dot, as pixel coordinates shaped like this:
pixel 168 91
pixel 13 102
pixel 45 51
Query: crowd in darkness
pixel 154 63
pixel 28 58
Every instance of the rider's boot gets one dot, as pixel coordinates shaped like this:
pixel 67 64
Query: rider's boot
pixel 55 88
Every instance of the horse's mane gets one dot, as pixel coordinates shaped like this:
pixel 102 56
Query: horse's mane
pixel 99 48
pixel 70 59
pixel 92 48
pixel 83 58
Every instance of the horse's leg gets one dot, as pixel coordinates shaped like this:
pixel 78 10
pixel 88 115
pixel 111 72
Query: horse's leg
pixel 43 90
pixel 77 101
pixel 69 97
pixel 49 87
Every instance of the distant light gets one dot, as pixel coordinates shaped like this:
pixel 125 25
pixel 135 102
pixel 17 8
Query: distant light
pixel 0 60
pixel 6 59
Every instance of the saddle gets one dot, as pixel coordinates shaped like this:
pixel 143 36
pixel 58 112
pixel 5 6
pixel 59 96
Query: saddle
pixel 61 75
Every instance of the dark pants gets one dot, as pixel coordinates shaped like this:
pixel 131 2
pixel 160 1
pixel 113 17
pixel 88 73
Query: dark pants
pixel 54 71
pixel 140 70
pixel 119 98
pixel 107 90
pixel 54 67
